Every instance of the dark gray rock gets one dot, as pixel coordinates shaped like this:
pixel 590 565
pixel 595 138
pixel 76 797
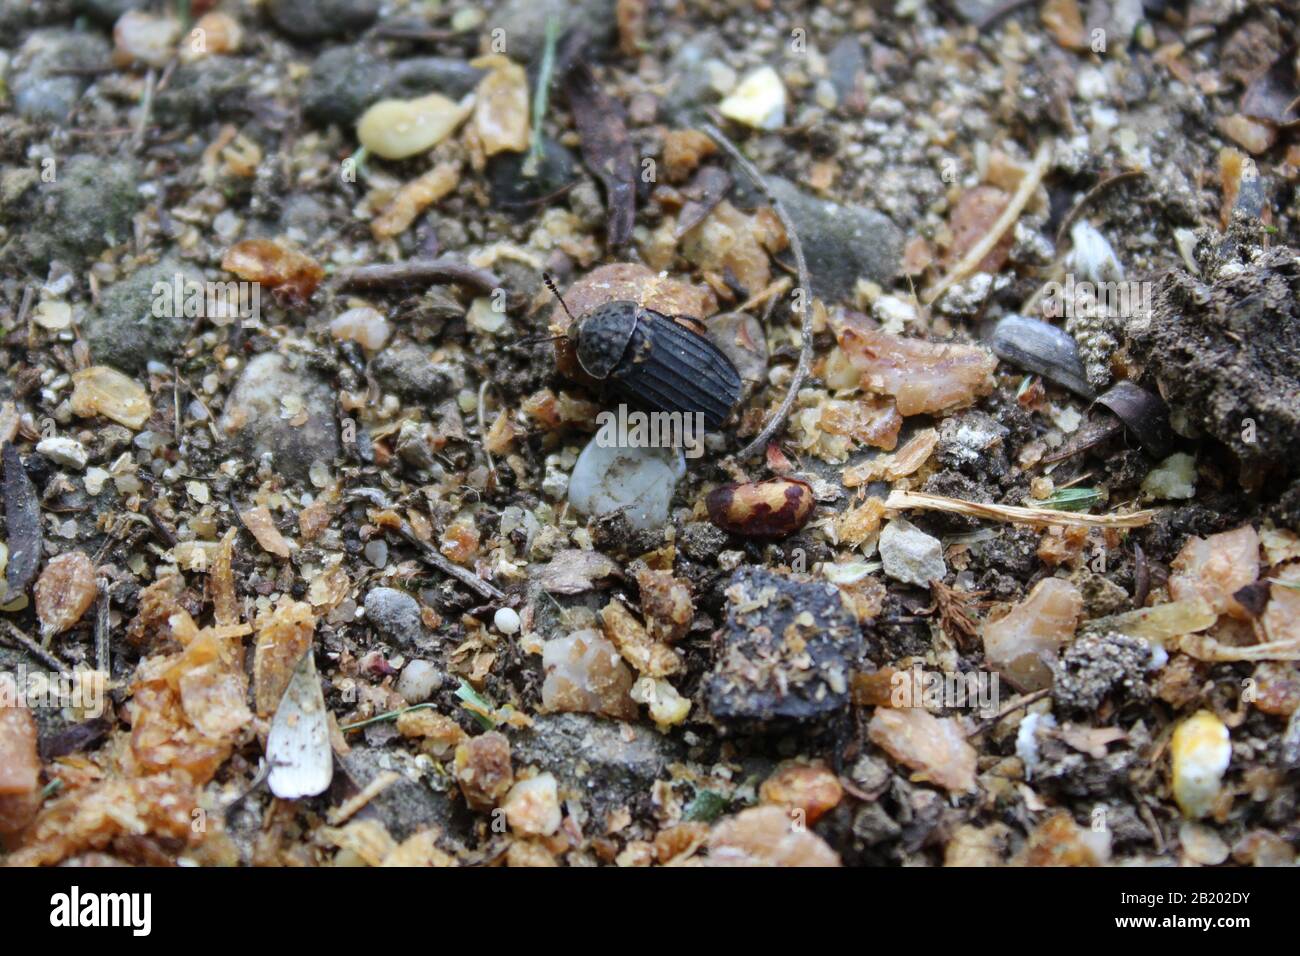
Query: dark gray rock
pixel 395 615
pixel 39 92
pixel 126 333
pixel 211 88
pixel 405 368
pixel 518 194
pixel 108 11
pixel 524 23
pixel 19 15
pixel 305 213
pixel 690 89
pixel 590 755
pixel 847 65
pixel 841 244
pixel 346 80
pixel 783 659
pixel 405 807
pixel 256 423
pixel 87 208
pixel 317 19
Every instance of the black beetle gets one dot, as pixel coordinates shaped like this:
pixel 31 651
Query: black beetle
pixel 665 363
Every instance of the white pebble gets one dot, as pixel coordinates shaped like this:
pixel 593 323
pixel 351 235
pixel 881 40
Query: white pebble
pixel 364 325
pixel 758 102
pixel 506 620
pixel 67 452
pixel 910 555
pixel 640 481
pixel 418 681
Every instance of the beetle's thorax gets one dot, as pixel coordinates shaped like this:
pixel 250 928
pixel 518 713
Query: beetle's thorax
pixel 603 335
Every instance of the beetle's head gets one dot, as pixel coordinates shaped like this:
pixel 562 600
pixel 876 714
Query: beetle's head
pixel 602 335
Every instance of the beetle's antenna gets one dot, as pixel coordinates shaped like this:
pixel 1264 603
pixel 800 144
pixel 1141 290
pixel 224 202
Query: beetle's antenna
pixel 550 284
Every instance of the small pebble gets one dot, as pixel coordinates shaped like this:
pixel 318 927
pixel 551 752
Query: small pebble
pixel 418 681
pixel 758 102
pixel 364 325
pixel 506 620
pixel 64 451
pixel 910 555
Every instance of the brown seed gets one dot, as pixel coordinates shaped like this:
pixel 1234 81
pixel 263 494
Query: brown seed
pixel 763 509
pixel 64 592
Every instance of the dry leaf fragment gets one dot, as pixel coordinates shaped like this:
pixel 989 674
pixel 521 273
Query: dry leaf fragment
pixel 64 592
pixel 23 526
pixel 262 526
pixel 283 636
pixel 607 149
pixel 1274 94
pixel 935 747
pixel 100 390
pixel 501 106
pixel 626 633
pixel 573 571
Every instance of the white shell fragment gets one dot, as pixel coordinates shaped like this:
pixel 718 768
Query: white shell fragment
pixel 758 102
pixel 640 480
pixel 298 746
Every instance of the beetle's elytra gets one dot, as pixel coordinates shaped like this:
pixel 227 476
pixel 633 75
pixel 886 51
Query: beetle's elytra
pixel 662 362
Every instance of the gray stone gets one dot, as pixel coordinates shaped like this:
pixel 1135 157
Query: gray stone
pixel 108 11
pixel 761 681
pixel 317 19
pixel 405 807
pixel 910 555
pixel 17 16
pixel 395 615
pixel 525 23
pixel 346 80
pixel 690 88
pixel 841 244
pixel 39 92
pixel 207 89
pixel 272 393
pixel 125 333
pixel 405 368
pixel 609 763
pixel 418 681
pixel 86 209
